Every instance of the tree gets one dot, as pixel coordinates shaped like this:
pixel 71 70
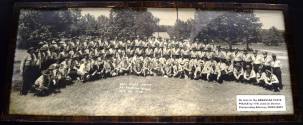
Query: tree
pixel 102 25
pixel 232 27
pixel 145 24
pixel 36 26
pixel 201 19
pixel 272 37
pixel 129 23
pixel 88 24
pixel 74 29
pixel 181 30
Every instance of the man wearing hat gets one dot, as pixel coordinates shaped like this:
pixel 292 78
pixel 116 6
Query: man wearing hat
pixel 27 67
pixel 42 83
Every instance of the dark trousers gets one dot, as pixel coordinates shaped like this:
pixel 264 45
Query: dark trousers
pixel 250 81
pixel 240 79
pixel 212 77
pixel 256 67
pixel 28 79
pixel 228 77
pixel 204 76
pixel 266 67
pixel 277 72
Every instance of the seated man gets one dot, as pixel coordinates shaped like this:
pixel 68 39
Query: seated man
pixel 169 67
pixel 180 71
pixel 271 81
pixel 161 66
pixel 212 75
pixel 145 66
pixel 81 70
pixel 115 67
pixel 260 77
pixel 175 69
pixel 137 67
pixel 41 84
pixel 187 69
pixel 154 66
pixel 123 67
pixel 229 76
pixel 205 69
pixel 238 73
pixel 221 69
pixel 249 75
pixel 73 70
pixel 198 69
pixel 100 68
pixel 107 68
pixel 94 69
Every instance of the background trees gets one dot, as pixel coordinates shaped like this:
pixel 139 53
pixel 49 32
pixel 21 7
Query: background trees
pixel 181 30
pixel 207 26
pixel 129 23
pixel 272 36
pixel 232 27
pixel 36 26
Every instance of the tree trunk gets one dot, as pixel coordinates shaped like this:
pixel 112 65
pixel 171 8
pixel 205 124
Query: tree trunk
pixel 247 47
pixel 230 44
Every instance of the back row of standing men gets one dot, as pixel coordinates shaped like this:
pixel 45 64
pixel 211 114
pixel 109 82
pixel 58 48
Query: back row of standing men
pixel 94 58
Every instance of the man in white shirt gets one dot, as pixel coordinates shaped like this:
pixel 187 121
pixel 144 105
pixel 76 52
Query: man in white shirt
pixel 238 73
pixel 229 71
pixel 267 61
pixel 276 69
pixel 260 77
pixel 271 81
pixel 249 75
pixel 42 83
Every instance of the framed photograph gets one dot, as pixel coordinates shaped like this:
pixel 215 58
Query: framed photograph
pixel 151 62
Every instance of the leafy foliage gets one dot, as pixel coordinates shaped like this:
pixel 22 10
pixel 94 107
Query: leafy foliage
pixel 272 36
pixel 36 26
pixel 128 23
pixel 181 30
pixel 122 24
pixel 232 27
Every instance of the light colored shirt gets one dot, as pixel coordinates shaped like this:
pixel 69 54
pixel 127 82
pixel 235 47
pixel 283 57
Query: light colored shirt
pixel 276 64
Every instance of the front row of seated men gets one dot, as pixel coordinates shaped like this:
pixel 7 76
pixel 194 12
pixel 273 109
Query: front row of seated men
pixel 85 69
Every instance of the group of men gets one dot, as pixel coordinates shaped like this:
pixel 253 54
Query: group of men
pixel 52 65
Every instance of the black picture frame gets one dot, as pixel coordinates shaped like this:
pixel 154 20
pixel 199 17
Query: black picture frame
pixel 147 119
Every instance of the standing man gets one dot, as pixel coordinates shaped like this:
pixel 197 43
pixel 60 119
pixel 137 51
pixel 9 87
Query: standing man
pixel 26 69
pixel 276 69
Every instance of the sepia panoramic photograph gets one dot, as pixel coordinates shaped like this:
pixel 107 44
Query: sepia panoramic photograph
pixel 147 62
